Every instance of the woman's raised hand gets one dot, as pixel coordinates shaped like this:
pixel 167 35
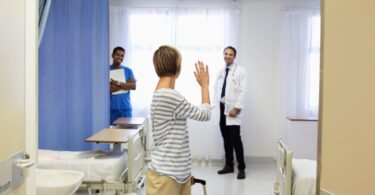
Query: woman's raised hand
pixel 201 74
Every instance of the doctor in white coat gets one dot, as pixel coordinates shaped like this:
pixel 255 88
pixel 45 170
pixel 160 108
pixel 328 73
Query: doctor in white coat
pixel 229 95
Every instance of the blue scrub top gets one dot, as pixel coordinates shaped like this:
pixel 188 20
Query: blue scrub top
pixel 122 101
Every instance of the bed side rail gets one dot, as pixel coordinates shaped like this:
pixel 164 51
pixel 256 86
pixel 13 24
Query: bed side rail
pixel 283 185
pixel 135 157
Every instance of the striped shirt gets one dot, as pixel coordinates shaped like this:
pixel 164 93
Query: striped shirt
pixel 170 155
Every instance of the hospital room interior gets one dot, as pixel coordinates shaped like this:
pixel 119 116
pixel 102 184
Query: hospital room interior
pixel 278 44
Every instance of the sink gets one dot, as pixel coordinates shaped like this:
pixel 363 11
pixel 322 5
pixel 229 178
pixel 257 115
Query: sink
pixel 57 182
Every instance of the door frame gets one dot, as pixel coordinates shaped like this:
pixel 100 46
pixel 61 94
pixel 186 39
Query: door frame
pixel 31 90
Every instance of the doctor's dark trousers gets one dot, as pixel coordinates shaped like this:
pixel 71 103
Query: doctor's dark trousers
pixel 232 140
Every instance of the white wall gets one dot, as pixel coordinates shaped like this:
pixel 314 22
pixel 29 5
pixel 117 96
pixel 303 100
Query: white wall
pixel 18 52
pixel 302 138
pixel 260 54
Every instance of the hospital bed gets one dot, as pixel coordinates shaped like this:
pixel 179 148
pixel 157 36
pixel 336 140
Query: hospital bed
pixel 138 122
pixel 116 170
pixel 293 176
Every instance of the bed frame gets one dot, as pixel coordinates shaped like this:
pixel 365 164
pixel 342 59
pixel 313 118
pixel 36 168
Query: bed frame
pixel 132 179
pixel 146 135
pixel 283 185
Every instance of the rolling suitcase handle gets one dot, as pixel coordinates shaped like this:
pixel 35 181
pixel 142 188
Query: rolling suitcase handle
pixel 203 182
pixel 200 181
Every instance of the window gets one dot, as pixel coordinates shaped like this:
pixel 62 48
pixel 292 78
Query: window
pixel 314 67
pixel 301 63
pixel 199 34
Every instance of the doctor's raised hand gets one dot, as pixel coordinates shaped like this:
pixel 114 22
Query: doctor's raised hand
pixel 203 79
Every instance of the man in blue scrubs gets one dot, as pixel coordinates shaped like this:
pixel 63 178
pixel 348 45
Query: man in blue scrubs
pixel 120 103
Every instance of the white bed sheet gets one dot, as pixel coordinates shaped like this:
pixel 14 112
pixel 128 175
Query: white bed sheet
pixel 304 177
pixel 97 165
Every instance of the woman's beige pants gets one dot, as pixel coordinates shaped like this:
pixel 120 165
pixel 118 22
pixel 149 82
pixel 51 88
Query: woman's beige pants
pixel 164 185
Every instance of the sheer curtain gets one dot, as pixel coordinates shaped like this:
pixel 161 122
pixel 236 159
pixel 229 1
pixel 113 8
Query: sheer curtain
pixel 301 59
pixel 199 34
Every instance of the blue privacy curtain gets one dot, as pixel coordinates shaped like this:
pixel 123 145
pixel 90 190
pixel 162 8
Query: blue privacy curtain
pixel 73 74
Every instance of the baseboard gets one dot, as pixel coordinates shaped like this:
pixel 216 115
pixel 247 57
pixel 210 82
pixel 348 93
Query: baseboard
pixel 260 159
pixel 248 159
pixel 325 192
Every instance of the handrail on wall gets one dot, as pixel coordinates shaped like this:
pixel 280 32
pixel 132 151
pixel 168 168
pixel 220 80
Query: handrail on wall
pixel 307 119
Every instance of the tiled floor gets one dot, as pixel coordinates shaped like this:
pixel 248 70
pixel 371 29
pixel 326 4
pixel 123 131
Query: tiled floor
pixel 259 180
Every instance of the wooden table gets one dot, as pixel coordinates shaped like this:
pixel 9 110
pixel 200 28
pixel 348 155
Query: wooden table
pixel 112 136
pixel 129 122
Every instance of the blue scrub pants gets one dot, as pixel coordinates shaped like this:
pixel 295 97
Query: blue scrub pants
pixel 115 114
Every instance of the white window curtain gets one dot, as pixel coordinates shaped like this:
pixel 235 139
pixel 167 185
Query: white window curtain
pixel 199 34
pixel 301 60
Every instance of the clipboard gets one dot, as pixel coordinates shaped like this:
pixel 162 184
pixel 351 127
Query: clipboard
pixel 118 75
pixel 228 108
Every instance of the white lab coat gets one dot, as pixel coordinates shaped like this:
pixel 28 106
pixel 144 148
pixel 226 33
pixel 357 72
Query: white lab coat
pixel 235 91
